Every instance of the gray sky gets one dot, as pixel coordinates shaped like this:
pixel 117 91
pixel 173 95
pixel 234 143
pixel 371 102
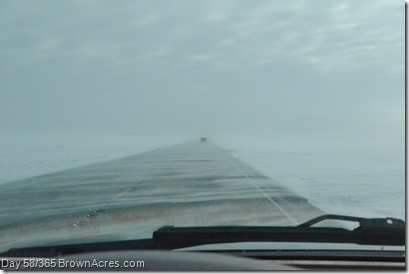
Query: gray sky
pixel 334 68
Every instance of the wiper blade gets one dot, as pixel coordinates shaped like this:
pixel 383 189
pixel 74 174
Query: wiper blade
pixel 385 231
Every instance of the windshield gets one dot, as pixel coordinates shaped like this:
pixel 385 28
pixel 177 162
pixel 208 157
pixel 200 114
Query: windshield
pixel 120 117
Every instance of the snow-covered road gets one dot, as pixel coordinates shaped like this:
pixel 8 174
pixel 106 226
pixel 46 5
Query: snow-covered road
pixel 191 184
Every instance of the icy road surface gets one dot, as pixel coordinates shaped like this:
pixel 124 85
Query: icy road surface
pixel 192 184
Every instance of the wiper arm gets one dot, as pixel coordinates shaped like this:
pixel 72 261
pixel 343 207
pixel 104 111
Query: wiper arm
pixel 363 222
pixel 385 231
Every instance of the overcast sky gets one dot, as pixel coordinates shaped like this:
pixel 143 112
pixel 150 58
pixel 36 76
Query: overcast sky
pixel 334 68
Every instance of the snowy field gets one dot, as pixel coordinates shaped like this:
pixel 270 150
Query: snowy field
pixel 361 179
pixel 352 179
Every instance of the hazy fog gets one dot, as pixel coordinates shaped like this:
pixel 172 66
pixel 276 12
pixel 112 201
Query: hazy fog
pixel 310 93
pixel 322 70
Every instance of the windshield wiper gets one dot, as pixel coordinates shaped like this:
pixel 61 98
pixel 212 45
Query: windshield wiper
pixel 384 231
pixel 377 231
